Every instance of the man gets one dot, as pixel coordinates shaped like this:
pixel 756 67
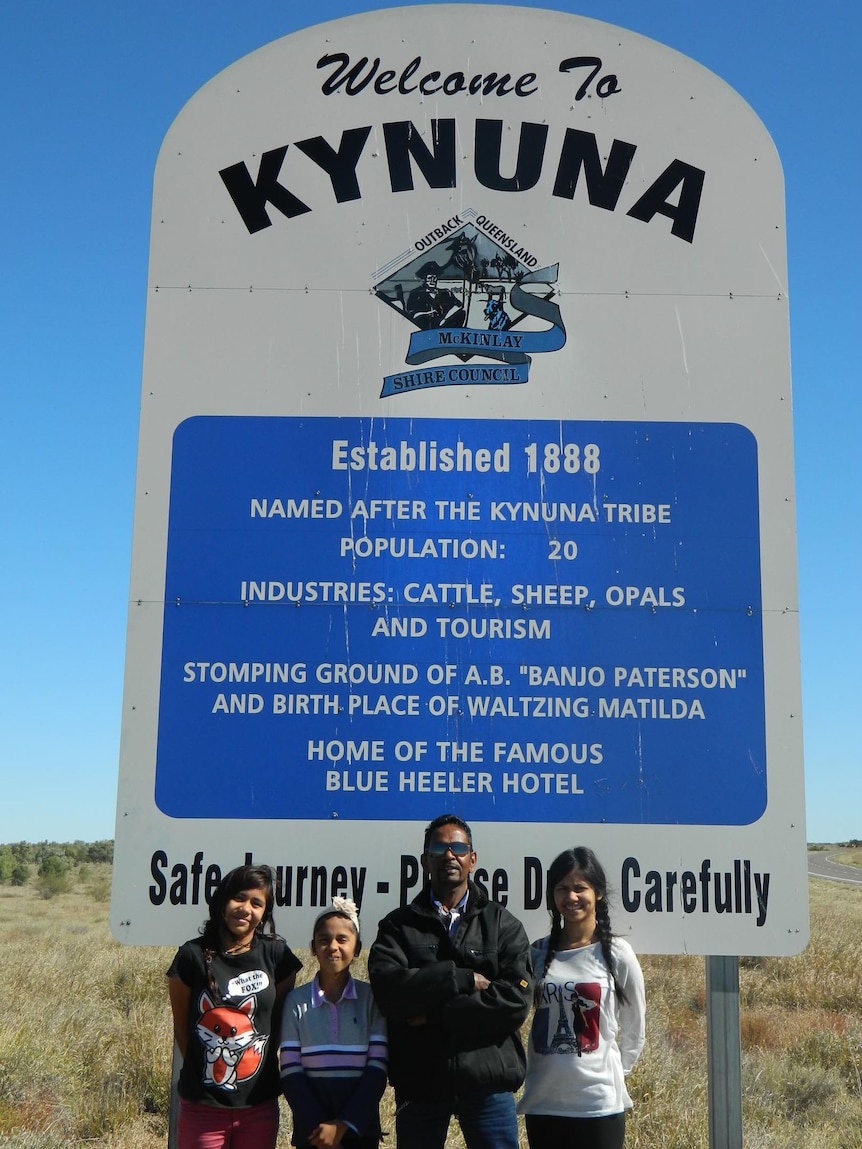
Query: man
pixel 451 973
pixel 431 305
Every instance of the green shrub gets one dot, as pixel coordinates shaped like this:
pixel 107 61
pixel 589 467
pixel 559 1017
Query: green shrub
pixel 53 866
pixel 50 885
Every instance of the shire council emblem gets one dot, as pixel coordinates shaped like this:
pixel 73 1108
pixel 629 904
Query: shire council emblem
pixel 472 291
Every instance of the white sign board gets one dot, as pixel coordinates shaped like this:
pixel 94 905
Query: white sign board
pixel 465 484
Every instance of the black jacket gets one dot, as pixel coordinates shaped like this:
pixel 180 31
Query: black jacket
pixel 469 1040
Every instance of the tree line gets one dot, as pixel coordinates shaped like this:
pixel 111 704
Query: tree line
pixel 52 862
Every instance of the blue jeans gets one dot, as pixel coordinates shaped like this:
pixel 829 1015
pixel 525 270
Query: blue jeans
pixel 487 1121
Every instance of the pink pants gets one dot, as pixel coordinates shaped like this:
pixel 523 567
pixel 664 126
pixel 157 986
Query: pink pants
pixel 211 1127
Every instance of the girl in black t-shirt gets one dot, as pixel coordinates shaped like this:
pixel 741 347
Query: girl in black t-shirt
pixel 225 990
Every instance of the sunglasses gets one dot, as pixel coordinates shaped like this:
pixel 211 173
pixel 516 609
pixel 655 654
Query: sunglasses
pixel 458 849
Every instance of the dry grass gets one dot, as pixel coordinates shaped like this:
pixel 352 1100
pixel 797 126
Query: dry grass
pixel 801 1032
pixel 85 1035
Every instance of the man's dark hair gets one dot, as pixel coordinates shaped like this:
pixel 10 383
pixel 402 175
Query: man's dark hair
pixel 447 820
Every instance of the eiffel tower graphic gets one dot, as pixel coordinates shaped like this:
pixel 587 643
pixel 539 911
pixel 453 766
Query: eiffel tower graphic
pixel 564 1041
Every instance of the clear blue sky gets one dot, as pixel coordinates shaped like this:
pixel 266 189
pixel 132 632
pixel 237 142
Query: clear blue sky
pixel 89 88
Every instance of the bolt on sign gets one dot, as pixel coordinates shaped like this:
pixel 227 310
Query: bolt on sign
pixel 465 484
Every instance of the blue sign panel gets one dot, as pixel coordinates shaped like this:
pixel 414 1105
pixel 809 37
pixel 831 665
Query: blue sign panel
pixel 547 621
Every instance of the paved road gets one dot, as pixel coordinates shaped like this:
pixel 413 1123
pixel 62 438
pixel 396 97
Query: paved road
pixel 820 865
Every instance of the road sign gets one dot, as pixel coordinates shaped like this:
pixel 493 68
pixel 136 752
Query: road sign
pixel 465 483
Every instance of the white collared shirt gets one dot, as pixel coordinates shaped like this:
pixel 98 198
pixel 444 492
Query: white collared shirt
pixel 450 918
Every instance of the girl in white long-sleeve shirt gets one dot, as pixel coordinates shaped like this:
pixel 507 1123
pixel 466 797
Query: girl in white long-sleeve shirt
pixel 588 1029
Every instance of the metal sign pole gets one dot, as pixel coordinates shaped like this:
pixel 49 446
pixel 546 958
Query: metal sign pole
pixel 723 1053
pixel 174 1112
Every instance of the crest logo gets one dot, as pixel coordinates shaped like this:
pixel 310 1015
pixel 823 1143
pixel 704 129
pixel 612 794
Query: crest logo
pixel 471 291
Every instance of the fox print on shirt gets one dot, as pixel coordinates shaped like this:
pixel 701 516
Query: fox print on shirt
pixel 233 1047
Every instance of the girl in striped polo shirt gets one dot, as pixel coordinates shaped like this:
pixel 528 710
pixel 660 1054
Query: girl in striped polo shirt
pixel 332 1056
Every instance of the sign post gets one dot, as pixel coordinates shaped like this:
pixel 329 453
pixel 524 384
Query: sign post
pixel 464 484
pixel 724 1061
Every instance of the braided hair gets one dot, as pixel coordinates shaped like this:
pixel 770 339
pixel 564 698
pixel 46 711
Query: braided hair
pixel 583 861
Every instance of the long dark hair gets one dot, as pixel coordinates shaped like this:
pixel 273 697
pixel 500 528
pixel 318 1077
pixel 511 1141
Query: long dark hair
pixel 242 878
pixel 582 860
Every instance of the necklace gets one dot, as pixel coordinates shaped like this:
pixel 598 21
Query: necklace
pixel 239 947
